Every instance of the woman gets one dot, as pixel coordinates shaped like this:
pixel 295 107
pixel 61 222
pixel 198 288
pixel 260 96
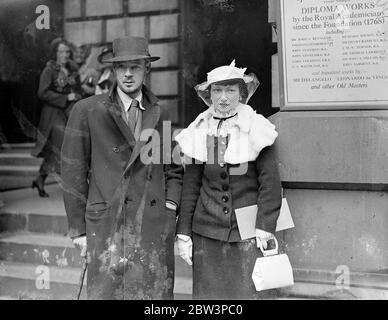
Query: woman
pixel 59 88
pixel 234 168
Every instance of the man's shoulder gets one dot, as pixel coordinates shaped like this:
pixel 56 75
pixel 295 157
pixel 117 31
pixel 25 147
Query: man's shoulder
pixel 93 101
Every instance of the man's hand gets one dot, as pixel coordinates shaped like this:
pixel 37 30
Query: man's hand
pixel 185 248
pixel 262 237
pixel 80 243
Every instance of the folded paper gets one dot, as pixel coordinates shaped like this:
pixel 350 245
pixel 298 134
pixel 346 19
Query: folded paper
pixel 246 220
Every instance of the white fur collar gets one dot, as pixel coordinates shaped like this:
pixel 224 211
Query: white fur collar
pixel 250 134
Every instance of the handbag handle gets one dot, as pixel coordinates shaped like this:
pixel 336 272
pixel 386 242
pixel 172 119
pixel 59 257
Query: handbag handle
pixel 270 252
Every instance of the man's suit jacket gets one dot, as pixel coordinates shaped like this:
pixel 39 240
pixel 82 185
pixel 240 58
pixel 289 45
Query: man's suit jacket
pixel 107 185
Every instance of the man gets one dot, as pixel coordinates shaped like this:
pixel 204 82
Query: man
pixel 121 209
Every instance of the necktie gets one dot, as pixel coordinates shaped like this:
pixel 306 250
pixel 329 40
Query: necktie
pixel 133 117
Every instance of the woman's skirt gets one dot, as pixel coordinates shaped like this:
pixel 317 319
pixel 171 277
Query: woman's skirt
pixel 223 270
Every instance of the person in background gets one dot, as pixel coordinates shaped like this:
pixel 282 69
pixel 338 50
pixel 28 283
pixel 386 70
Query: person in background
pixel 59 89
pixel 229 165
pixel 88 76
pixel 107 77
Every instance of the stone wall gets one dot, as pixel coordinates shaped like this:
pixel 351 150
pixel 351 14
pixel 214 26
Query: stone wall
pixel 334 173
pixel 98 22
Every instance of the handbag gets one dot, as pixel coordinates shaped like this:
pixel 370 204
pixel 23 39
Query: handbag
pixel 273 270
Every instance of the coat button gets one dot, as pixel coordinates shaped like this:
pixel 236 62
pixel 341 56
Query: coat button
pixel 225 210
pixel 225 198
pixel 225 187
pixel 223 175
pixel 116 149
pixel 153 202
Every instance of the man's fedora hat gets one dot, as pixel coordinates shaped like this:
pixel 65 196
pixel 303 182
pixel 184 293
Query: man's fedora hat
pixel 130 48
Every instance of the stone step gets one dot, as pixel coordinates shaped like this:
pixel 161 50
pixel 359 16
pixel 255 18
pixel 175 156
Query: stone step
pixel 55 250
pixel 17 146
pixel 32 222
pixel 11 183
pixel 50 249
pixel 321 284
pixel 24 210
pixel 17 170
pixel 21 281
pixel 19 159
pixel 18 150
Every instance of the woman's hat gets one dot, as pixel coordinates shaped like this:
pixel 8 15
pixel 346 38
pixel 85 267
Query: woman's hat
pixel 225 74
pixel 130 48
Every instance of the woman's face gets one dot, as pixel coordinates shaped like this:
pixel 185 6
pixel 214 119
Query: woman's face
pixel 63 54
pixel 225 97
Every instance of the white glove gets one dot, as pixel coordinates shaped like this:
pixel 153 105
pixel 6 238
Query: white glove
pixel 80 243
pixel 185 248
pixel 262 237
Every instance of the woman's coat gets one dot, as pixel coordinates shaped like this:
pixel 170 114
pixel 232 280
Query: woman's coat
pixel 54 86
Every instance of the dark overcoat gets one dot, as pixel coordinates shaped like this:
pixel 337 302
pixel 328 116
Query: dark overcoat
pixel 54 86
pixel 118 199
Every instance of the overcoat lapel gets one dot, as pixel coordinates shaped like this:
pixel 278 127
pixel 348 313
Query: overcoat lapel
pixel 115 109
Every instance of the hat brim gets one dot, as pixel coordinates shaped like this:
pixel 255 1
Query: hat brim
pixel 205 85
pixel 130 58
pixel 250 80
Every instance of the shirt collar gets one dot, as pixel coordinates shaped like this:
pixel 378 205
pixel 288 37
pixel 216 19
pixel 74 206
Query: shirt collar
pixel 127 100
pixel 243 119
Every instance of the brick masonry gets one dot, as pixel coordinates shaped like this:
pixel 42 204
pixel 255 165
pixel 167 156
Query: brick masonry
pixel 84 32
pixel 120 27
pixel 168 53
pixel 164 82
pixel 151 5
pixel 72 8
pixel 164 26
pixel 103 7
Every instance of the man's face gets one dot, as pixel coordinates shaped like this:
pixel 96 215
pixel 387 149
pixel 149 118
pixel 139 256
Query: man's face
pixel 130 75
pixel 63 54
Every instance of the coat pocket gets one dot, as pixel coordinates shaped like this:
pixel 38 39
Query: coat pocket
pixel 97 211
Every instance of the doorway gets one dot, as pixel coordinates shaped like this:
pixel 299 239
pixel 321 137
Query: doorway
pixel 214 33
pixel 24 51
